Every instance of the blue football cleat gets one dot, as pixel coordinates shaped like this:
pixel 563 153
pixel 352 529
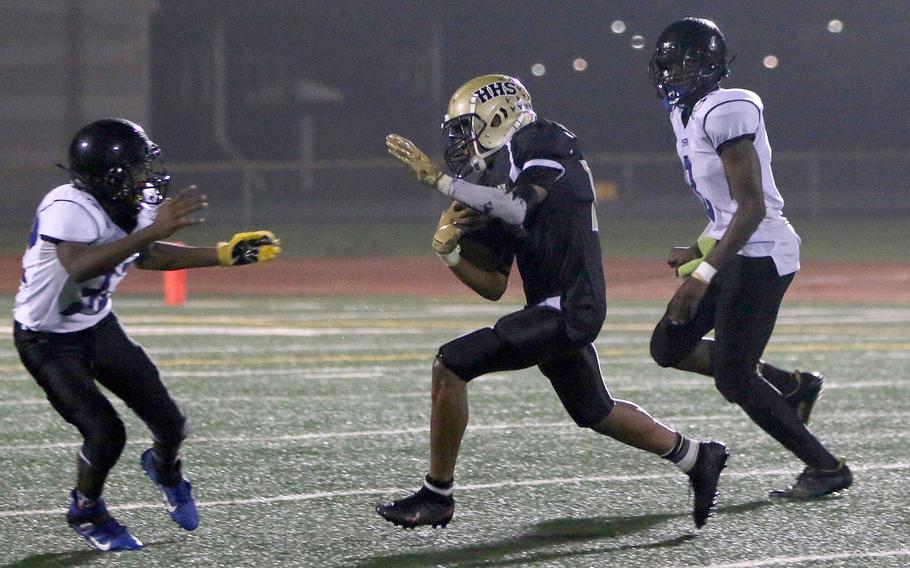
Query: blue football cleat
pixel 178 499
pixel 99 529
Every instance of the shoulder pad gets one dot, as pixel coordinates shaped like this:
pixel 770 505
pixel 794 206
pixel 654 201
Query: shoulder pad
pixel 543 139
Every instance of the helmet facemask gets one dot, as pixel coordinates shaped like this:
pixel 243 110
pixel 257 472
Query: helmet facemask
pixel 463 133
pixel 125 188
pixel 152 180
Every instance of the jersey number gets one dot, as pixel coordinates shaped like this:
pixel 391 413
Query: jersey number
pixel 690 179
pixel 33 236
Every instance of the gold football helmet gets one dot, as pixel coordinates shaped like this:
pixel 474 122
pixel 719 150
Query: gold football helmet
pixel 483 115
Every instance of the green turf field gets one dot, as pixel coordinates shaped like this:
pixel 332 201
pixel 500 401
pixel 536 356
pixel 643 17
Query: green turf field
pixel 305 413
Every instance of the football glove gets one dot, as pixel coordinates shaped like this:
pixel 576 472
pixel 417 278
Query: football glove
pixel 420 165
pixel 705 246
pixel 453 223
pixel 249 248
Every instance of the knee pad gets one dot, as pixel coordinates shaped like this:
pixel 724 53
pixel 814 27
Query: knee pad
pixel 736 382
pixel 468 355
pixel 578 382
pixel 743 386
pixel 728 388
pixel 661 346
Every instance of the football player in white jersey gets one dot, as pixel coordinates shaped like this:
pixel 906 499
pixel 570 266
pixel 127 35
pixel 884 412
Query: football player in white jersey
pixel 86 234
pixel 736 275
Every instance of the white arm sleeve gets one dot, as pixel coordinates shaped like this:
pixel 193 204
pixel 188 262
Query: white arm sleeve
pixel 731 119
pixel 491 200
pixel 67 220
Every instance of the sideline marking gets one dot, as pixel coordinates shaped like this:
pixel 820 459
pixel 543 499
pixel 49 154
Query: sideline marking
pixel 471 487
pixel 427 355
pixel 485 391
pixel 785 560
pixel 560 425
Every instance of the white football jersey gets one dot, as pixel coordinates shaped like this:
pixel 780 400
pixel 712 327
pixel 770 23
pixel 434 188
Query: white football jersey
pixel 722 116
pixel 48 299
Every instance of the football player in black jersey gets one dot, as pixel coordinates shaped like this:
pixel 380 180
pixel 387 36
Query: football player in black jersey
pixel 537 185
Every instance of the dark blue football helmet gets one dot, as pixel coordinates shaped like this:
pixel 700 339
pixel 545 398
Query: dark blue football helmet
pixel 690 61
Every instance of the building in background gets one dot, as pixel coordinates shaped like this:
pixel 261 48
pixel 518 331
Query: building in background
pixel 279 108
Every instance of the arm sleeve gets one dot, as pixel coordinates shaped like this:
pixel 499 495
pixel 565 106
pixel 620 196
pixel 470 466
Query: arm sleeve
pixel 510 207
pixel 731 120
pixel 65 220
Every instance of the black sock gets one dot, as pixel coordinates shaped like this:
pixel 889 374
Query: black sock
pixel 683 454
pixel 166 456
pixel 89 481
pixel 170 470
pixel 84 502
pixel 784 381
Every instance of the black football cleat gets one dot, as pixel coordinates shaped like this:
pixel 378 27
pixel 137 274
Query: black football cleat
pixel 422 508
pixel 712 458
pixel 813 483
pixel 808 390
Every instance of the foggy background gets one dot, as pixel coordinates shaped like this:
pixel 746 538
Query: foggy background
pixel 278 109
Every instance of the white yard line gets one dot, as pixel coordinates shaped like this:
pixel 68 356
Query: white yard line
pixel 617 386
pixel 461 488
pixel 786 560
pixel 495 427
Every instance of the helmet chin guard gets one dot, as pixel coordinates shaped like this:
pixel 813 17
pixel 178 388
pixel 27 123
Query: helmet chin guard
pixel 478 164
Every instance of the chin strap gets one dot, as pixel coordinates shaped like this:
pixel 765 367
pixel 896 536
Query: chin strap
pixel 478 161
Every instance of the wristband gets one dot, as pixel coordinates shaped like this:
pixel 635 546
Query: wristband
pixel 452 258
pixel 444 184
pixel 704 272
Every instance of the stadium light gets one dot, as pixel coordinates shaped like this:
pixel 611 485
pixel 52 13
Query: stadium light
pixel 618 26
pixel 770 61
pixel 580 64
pixel 835 26
pixel 538 69
pixel 638 42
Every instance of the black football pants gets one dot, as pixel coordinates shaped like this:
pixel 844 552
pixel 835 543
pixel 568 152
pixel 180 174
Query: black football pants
pixel 741 306
pixel 536 336
pixel 66 365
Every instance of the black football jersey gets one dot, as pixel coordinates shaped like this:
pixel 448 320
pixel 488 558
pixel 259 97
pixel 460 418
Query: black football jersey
pixel 497 239
pixel 558 251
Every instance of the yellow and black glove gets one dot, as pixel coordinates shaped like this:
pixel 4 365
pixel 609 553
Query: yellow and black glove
pixel 705 246
pixel 420 165
pixel 249 248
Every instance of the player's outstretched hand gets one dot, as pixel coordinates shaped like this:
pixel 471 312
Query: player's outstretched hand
pixel 249 248
pixel 174 213
pixel 413 157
